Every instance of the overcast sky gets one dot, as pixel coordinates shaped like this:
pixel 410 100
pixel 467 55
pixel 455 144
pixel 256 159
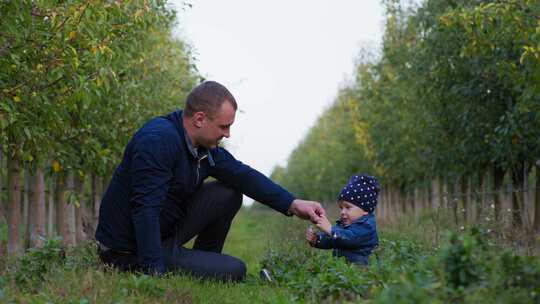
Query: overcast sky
pixel 284 62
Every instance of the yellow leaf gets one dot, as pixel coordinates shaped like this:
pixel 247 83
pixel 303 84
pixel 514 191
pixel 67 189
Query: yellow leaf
pixel 16 99
pixel 56 166
pixel 72 34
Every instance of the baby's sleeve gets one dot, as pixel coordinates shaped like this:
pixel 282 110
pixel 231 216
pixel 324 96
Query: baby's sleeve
pixel 324 241
pixel 352 237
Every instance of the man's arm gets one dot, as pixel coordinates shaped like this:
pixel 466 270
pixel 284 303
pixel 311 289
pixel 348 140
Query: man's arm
pixel 259 187
pixel 151 172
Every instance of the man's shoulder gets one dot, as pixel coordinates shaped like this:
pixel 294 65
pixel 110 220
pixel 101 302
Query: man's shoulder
pixel 221 154
pixel 157 134
pixel 158 127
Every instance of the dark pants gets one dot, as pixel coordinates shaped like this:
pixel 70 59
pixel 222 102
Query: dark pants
pixel 208 216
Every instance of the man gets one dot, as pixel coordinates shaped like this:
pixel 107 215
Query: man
pixel 157 201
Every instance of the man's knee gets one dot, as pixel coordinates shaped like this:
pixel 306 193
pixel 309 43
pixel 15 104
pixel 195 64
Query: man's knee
pixel 236 270
pixel 236 199
pixel 232 197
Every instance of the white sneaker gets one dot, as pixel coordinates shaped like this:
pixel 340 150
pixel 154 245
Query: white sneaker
pixel 266 276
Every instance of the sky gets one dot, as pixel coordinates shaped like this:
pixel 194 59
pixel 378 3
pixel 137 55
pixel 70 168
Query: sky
pixel 284 61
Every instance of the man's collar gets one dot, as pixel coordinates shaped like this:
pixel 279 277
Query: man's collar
pixel 195 152
pixel 190 146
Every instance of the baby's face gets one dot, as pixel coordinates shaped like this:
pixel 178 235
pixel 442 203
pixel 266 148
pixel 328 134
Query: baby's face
pixel 349 212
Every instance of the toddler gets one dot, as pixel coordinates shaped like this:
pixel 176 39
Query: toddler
pixel 354 236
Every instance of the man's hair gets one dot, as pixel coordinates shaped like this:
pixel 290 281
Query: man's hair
pixel 208 97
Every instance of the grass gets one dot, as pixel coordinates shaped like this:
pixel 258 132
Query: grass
pixel 83 280
pixel 410 260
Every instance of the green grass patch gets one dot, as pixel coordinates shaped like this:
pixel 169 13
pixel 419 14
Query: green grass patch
pixel 49 275
pixel 466 266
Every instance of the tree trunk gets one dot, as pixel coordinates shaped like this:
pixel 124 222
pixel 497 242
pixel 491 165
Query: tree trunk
pixel 28 211
pixel 97 185
pixel 78 182
pixel 50 211
pixel 526 207
pixel 396 202
pixel 455 201
pixel 402 199
pixel 517 195
pixel 388 211
pixel 435 193
pixel 380 207
pixel 2 190
pixel 423 197
pixel 445 196
pixel 481 197
pixel 14 201
pixel 25 210
pixel 416 202
pixel 72 233
pixel 498 178
pixel 426 197
pixel 36 227
pixel 463 198
pixel 537 199
pixel 62 208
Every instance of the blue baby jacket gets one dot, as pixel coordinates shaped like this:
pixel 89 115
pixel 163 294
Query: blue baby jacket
pixel 355 242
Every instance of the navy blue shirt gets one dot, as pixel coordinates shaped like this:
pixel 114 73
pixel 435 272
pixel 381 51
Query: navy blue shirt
pixel 355 242
pixel 158 174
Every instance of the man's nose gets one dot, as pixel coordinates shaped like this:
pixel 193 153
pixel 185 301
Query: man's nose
pixel 227 134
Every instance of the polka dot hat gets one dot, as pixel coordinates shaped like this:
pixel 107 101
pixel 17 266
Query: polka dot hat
pixel 362 191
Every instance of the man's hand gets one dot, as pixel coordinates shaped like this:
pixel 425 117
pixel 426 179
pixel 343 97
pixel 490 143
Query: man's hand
pixel 307 210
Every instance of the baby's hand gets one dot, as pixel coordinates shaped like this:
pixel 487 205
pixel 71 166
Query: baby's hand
pixel 324 224
pixel 311 237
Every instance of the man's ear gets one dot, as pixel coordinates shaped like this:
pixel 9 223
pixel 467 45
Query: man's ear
pixel 198 119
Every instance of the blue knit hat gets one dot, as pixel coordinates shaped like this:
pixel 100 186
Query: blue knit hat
pixel 362 191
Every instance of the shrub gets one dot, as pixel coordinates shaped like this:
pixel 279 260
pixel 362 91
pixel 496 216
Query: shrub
pixel 36 262
pixel 464 259
pixel 468 268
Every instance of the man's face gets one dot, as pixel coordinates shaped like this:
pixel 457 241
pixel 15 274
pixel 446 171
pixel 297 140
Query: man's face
pixel 214 129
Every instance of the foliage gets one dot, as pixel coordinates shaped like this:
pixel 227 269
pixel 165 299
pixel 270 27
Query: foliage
pixel 80 278
pixel 453 92
pixel 78 77
pixel 36 262
pixel 463 260
pixel 401 271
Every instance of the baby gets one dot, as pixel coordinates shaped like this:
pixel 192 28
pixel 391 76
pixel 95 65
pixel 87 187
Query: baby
pixel 354 236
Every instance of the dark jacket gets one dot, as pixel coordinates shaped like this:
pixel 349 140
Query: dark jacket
pixel 355 242
pixel 159 172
